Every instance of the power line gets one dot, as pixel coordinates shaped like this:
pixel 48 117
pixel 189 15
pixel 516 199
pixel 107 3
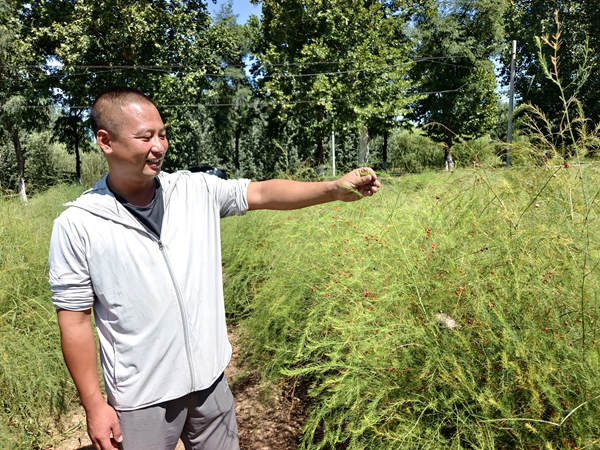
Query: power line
pixel 164 69
pixel 224 75
pixel 192 66
pixel 252 104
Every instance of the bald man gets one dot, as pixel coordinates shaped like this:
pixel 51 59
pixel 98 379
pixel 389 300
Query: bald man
pixel 142 249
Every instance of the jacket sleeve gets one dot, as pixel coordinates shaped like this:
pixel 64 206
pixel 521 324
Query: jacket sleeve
pixel 234 199
pixel 230 196
pixel 69 274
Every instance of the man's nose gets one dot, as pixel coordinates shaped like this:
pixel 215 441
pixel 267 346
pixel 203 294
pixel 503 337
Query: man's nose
pixel 159 145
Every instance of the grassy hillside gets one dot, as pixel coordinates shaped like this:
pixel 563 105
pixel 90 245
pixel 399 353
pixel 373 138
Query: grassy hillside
pixel 451 311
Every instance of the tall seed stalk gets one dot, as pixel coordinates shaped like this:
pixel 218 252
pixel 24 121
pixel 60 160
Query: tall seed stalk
pixel 568 126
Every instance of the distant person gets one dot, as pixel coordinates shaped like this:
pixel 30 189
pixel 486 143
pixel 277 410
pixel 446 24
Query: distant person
pixel 142 248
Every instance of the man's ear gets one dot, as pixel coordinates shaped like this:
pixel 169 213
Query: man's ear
pixel 103 139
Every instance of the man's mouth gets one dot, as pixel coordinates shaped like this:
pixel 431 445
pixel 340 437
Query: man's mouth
pixel 154 161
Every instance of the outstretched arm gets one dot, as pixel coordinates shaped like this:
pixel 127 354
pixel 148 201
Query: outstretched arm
pixel 288 194
pixel 79 350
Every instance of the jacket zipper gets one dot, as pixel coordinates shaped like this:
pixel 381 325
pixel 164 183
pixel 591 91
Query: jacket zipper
pixel 182 311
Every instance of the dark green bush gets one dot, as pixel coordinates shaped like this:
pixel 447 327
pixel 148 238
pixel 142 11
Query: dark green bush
pixel 413 152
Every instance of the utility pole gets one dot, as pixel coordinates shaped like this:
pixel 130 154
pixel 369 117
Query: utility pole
pixel 511 101
pixel 333 152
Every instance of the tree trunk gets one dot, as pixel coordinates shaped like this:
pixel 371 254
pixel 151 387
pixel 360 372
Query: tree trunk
pixel 449 163
pixel 20 163
pixel 320 147
pixel 236 155
pixel 363 153
pixel 22 192
pixel 76 141
pixel 384 151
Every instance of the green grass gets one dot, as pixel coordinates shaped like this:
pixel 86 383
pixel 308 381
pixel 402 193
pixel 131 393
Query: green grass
pixel 34 384
pixel 344 297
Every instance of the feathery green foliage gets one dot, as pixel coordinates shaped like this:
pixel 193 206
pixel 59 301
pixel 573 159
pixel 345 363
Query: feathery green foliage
pixel 449 311
pixel 571 135
pixel 35 387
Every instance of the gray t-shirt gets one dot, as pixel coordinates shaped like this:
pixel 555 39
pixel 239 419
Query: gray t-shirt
pixel 150 216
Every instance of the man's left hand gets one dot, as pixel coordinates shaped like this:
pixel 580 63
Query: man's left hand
pixel 357 184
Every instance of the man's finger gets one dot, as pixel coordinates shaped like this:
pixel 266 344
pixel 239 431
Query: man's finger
pixel 117 435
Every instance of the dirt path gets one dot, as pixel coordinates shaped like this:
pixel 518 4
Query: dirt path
pixel 269 418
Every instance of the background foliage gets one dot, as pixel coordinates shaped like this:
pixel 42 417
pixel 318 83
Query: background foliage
pixel 263 98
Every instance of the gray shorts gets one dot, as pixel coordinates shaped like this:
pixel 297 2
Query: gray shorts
pixel 203 420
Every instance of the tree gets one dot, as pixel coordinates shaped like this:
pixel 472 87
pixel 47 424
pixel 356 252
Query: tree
pixel 233 90
pixel 457 39
pixel 22 105
pixel 165 48
pixel 335 63
pixel 527 21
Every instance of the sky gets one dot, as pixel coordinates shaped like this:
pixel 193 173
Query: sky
pixel 243 8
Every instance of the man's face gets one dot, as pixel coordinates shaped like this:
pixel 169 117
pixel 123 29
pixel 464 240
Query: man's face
pixel 138 149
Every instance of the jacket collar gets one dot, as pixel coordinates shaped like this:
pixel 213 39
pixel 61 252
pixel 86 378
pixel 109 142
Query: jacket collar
pixel 99 200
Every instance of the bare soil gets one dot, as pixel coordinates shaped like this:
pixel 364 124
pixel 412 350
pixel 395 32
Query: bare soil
pixel 269 417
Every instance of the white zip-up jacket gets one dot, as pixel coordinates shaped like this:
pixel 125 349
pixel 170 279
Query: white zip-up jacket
pixel 158 304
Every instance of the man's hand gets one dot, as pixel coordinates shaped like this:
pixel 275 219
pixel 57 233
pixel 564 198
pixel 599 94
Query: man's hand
pixel 103 427
pixel 357 184
pixel 287 194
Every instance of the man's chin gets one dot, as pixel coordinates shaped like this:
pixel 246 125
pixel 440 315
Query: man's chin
pixel 153 171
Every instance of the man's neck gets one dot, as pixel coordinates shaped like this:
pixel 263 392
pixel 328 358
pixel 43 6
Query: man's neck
pixel 138 194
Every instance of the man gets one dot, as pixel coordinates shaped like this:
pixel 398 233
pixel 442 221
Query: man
pixel 142 248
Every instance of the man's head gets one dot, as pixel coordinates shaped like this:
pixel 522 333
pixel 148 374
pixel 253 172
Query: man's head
pixel 131 134
pixel 107 109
